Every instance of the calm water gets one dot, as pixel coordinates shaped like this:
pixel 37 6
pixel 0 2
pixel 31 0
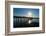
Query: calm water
pixel 25 22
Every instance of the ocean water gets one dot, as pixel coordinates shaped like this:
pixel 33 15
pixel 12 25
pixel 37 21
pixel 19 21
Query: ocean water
pixel 25 22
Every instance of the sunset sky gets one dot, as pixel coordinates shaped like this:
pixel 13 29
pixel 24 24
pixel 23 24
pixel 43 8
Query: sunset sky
pixel 25 11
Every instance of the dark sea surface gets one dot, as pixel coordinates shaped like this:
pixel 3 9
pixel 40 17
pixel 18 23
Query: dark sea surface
pixel 23 22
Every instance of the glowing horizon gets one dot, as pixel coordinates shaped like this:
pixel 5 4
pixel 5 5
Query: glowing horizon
pixel 26 12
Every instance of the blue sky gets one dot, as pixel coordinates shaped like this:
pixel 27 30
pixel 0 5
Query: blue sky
pixel 24 11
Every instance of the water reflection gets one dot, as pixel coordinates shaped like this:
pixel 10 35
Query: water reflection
pixel 25 22
pixel 29 21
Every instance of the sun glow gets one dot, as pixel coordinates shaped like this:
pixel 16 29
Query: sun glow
pixel 29 14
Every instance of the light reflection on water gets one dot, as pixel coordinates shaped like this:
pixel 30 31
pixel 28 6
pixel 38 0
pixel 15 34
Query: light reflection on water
pixel 29 21
pixel 24 22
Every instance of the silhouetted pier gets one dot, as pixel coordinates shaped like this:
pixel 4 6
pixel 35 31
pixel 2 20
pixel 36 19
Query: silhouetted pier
pixel 26 17
pixel 22 21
